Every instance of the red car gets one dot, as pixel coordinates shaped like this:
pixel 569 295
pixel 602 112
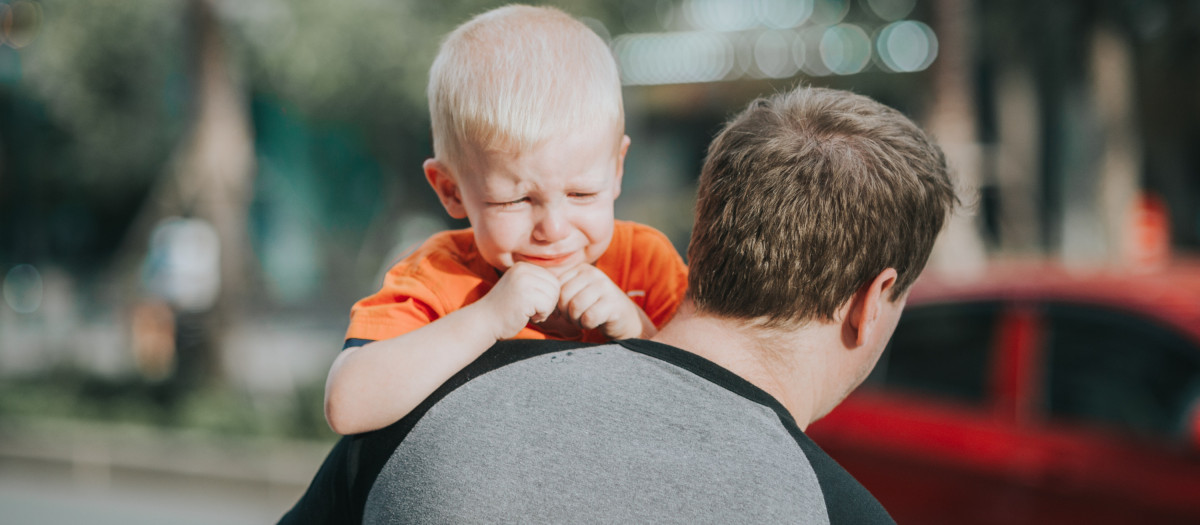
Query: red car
pixel 1034 395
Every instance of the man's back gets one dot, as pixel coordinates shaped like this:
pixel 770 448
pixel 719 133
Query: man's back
pixel 552 432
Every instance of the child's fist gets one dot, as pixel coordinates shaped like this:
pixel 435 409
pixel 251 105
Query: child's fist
pixel 592 300
pixel 525 293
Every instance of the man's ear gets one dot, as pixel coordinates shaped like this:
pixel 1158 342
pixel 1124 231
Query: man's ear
pixel 862 315
pixel 441 179
pixel 620 165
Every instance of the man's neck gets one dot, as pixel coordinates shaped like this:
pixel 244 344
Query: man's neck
pixel 786 367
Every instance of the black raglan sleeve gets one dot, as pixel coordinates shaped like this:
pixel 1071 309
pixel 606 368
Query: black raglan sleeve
pixel 328 498
pixel 846 500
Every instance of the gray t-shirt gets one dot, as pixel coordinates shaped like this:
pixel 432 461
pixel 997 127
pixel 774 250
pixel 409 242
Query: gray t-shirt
pixel 552 432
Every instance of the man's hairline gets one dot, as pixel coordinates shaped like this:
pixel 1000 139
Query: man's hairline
pixel 765 323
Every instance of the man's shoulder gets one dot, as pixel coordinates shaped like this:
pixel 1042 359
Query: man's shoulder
pixel 553 433
pixel 631 431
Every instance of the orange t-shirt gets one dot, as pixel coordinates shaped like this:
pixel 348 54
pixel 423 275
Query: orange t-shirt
pixel 446 273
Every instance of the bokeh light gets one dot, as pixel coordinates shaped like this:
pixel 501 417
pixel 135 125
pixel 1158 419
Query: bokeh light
pixel 5 15
pixel 743 53
pixel 829 12
pixel 23 288
pixel 766 39
pixel 719 15
pixel 845 49
pixel 183 263
pixel 773 54
pixel 800 51
pixel 666 13
pixel 673 58
pixel 781 14
pixel 891 10
pixel 20 23
pixel 807 51
pixel 906 46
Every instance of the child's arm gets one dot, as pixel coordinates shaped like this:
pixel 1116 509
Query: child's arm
pixel 375 385
pixel 593 301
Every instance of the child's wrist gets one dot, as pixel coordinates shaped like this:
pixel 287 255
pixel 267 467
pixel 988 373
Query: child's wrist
pixel 487 319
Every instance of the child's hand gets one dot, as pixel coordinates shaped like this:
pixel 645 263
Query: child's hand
pixel 592 300
pixel 525 293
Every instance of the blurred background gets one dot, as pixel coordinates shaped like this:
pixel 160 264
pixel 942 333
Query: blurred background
pixel 194 192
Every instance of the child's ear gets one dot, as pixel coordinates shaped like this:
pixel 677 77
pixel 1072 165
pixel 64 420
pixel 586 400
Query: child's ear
pixel 441 179
pixel 620 165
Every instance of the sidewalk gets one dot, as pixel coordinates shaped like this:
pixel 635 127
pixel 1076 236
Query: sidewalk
pixel 133 467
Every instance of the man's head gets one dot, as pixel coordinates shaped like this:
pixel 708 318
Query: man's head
pixel 528 134
pixel 804 199
pixel 816 211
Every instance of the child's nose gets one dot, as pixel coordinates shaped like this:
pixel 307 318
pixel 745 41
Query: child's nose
pixel 551 225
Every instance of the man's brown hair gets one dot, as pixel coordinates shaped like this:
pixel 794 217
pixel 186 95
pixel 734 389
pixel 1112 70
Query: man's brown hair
pixel 804 198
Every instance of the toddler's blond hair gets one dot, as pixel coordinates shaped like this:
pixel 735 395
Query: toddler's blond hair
pixel 511 78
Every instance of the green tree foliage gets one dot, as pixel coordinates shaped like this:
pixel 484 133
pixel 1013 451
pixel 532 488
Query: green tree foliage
pixel 363 61
pixel 114 78
pixel 107 73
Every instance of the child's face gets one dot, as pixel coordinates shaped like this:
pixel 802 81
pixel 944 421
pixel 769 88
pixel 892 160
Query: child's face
pixel 551 206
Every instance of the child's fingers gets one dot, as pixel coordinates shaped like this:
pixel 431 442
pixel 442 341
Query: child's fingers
pixel 582 273
pixel 578 279
pixel 590 299
pixel 575 272
pixel 528 290
pixel 567 293
pixel 580 307
pixel 596 315
pixel 544 296
pixel 539 317
pixel 544 305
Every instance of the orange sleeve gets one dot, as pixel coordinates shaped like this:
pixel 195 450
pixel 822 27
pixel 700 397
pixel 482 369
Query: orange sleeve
pixel 666 276
pixel 441 276
pixel 650 270
pixel 410 300
pixel 402 305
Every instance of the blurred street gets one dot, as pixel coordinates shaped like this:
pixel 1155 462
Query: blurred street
pixel 59 472
pixel 55 470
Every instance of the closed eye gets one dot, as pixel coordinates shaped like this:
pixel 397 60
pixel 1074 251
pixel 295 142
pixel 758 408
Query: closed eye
pixel 580 195
pixel 509 204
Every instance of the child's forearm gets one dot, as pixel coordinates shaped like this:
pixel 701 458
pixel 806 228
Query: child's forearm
pixel 375 385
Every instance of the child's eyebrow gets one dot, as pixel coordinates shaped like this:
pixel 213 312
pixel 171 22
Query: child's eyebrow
pixel 588 179
pixel 589 187
pixel 507 192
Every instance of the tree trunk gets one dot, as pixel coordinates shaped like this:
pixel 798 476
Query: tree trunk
pixel 952 121
pixel 1016 159
pixel 210 178
pixel 1112 77
pixel 216 170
